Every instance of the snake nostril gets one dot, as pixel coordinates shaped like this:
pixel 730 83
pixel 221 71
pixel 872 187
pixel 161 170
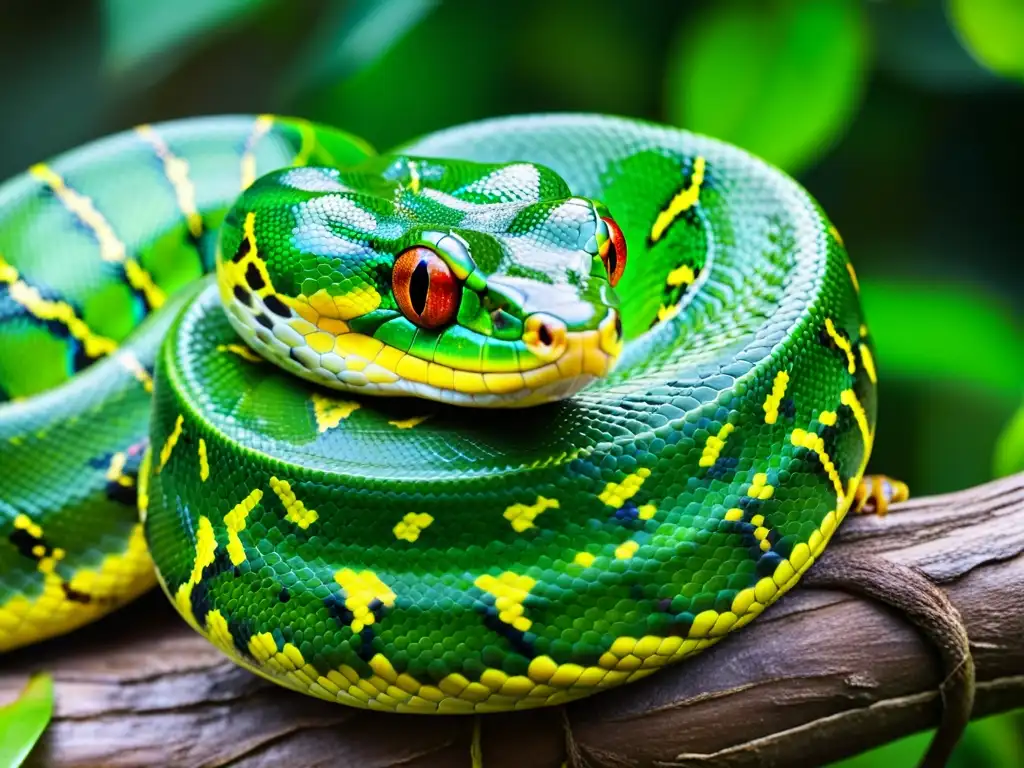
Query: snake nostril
pixel 544 335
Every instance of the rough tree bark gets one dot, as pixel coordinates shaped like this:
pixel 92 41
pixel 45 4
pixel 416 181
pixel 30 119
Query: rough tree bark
pixel 822 675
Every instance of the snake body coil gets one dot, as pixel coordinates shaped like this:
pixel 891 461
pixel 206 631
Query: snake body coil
pixel 419 554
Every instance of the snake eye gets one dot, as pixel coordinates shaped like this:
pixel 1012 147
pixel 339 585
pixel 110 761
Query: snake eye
pixel 425 288
pixel 613 251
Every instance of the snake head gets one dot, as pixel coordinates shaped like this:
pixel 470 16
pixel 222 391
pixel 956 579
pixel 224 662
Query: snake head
pixel 465 283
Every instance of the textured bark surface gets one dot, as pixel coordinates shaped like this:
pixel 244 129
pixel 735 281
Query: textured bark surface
pixel 820 676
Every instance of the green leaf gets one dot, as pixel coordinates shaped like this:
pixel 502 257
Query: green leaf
pixel 141 31
pixel 353 35
pixel 992 31
pixel 1009 453
pixel 780 79
pixel 944 331
pixel 23 721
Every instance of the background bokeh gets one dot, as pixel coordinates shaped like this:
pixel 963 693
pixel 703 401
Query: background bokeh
pixel 904 118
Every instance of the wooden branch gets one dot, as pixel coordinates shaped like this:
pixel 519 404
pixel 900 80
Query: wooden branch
pixel 821 676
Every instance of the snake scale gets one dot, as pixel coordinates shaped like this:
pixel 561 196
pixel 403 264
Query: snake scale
pixel 520 411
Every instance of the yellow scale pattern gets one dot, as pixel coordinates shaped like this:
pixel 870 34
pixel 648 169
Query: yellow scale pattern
pixel 546 682
pixel 119 578
pixel 111 247
pixel 411 525
pixel 93 344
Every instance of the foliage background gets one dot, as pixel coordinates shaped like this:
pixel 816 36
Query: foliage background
pixel 902 117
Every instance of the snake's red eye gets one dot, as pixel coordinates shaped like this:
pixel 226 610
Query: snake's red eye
pixel 613 251
pixel 425 288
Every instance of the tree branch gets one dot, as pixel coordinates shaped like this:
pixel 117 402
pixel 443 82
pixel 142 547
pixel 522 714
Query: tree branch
pixel 820 676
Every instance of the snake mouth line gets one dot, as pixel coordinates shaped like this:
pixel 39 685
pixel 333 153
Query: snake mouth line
pixel 365 365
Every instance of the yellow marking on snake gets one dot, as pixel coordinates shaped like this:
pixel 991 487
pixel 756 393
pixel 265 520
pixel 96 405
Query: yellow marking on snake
pixel 849 398
pixel 771 403
pixel 260 128
pixel 217 631
pixel 868 361
pixel 143 491
pixel 521 516
pixel 760 488
pixel 545 682
pixel 111 247
pixel 176 171
pixel 812 442
pixel 206 546
pixel 231 273
pixel 409 423
pixel 24 294
pixel 329 412
pixel 853 277
pixel 235 521
pixel 295 510
pixel 586 559
pixel 115 470
pixel 119 578
pixel 414 177
pixel 843 343
pixel 646 511
pixel 172 440
pixel 132 364
pixel 204 463
pixel 509 590
pixel 835 233
pixel 410 526
pixel 617 494
pixel 685 199
pixel 683 275
pixel 828 418
pixel 362 589
pixel 667 312
pixel 713 446
pixel 241 350
pixel 23 522
pixel 626 550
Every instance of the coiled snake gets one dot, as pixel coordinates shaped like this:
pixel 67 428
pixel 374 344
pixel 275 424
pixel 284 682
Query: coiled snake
pixel 637 398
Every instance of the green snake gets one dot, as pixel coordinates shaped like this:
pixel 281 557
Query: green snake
pixel 523 410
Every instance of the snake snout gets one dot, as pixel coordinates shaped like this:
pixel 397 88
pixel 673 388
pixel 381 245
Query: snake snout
pixel 545 335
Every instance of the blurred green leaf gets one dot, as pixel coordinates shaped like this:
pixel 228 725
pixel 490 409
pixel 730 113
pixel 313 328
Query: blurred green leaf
pixel 353 35
pixel 1009 453
pixel 902 752
pixel 993 32
pixel 946 332
pixel 23 721
pixel 140 31
pixel 781 80
pixel 992 741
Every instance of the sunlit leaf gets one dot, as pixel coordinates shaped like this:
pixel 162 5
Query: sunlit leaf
pixel 780 79
pixel 138 32
pixel 993 32
pixel 944 331
pixel 353 35
pixel 23 721
pixel 1009 453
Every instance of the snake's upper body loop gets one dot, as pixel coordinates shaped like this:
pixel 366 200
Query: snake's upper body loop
pixel 523 410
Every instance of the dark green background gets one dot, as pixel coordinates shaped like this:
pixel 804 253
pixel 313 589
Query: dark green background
pixel 904 119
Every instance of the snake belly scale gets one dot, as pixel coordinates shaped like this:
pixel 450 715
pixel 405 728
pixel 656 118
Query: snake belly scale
pixel 331 486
